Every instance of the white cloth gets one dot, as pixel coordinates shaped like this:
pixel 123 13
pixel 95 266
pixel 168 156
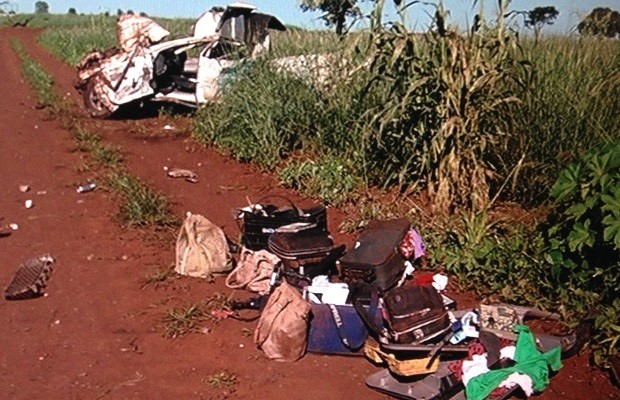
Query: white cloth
pixel 519 379
pixel 474 367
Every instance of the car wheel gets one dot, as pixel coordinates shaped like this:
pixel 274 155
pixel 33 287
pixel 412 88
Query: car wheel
pixel 96 106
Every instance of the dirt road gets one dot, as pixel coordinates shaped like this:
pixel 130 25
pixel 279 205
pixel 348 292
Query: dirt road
pixel 98 333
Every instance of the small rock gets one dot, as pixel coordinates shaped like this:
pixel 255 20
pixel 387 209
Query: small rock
pixel 14 226
pixel 24 188
pixel 168 127
pixel 241 346
pixel 57 322
pixel 125 257
pixel 28 203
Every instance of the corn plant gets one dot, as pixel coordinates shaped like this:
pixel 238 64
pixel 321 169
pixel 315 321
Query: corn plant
pixel 447 108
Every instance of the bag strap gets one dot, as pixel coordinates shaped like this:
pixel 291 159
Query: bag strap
pixel 369 319
pixel 286 199
pixel 346 341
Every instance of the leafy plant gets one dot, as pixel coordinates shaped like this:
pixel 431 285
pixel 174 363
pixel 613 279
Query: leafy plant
pixel 447 107
pixel 584 238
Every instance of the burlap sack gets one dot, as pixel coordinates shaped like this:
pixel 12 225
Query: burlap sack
pixel 282 331
pixel 253 271
pixel 202 249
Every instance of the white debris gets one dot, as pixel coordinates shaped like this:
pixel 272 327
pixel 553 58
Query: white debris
pixel 24 188
pixel 14 226
pixel 28 203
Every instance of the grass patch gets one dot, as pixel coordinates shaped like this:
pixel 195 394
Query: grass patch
pixel 40 81
pixel 159 275
pixel 186 319
pixel 180 321
pixel 140 205
pixel 222 380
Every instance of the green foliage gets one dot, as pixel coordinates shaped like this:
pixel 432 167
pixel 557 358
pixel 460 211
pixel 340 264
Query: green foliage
pixel 584 239
pixel 447 110
pixel 494 257
pixel 335 12
pixel 39 79
pixel 41 7
pixel 140 205
pixel 601 22
pixel 539 17
pixel 329 179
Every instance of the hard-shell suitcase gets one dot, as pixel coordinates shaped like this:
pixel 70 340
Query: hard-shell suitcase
pixel 376 257
pixel 416 314
pixel 310 252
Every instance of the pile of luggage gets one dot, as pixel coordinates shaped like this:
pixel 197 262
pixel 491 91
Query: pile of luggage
pixel 318 296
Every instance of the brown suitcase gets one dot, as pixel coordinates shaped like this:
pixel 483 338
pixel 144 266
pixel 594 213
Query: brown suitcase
pixel 310 252
pixel 376 257
pixel 416 314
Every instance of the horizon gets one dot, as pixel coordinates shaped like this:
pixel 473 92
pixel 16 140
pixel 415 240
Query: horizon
pixel 289 12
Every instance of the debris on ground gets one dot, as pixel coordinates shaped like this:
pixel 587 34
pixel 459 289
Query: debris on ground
pixel 89 187
pixel 30 280
pixel 189 175
pixel 28 204
pixel 24 188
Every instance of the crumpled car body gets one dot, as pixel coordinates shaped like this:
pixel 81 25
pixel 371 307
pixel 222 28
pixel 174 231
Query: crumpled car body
pixel 187 71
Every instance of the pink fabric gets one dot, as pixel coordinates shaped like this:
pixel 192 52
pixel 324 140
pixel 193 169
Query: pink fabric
pixel 413 245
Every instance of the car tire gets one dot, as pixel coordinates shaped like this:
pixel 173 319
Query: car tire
pixel 93 102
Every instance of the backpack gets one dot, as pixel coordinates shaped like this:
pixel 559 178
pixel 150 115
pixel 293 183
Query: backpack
pixel 202 249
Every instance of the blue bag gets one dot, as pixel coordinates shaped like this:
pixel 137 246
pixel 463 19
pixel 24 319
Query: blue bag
pixel 339 329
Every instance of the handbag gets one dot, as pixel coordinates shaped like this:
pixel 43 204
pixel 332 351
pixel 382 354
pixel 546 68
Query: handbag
pixel 201 248
pixel 260 220
pixel 282 330
pixel 253 271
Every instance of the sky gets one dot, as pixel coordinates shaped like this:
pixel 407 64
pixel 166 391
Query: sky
pixel 461 11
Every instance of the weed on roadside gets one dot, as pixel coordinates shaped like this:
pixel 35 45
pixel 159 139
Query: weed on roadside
pixel 180 321
pixel 159 275
pixel 221 380
pixel 141 206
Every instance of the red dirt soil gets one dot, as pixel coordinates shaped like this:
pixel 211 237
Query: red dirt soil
pixel 98 332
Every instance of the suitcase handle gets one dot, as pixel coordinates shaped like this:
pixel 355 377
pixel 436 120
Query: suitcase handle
pixel 286 199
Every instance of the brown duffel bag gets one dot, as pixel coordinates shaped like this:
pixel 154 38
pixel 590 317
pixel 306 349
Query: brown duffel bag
pixel 416 314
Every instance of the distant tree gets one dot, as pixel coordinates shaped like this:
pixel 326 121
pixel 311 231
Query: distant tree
pixel 601 22
pixel 119 12
pixel 540 16
pixel 130 12
pixel 335 11
pixel 143 14
pixel 2 11
pixel 41 7
pixel 72 11
pixel 106 14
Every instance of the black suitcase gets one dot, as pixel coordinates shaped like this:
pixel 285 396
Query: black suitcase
pixel 310 252
pixel 416 314
pixel 259 223
pixel 376 257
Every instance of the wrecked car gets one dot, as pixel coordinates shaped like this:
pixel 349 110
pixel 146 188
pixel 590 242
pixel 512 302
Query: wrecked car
pixel 187 71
